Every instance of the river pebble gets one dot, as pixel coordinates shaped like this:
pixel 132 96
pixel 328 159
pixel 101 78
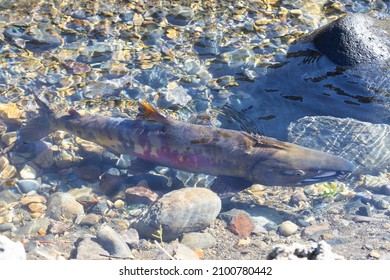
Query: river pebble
pixel 287 228
pixel 239 222
pixel 63 206
pixel 64 159
pixel 26 200
pixel 178 212
pixel 7 171
pixel 316 228
pixel 26 186
pixel 85 196
pixel 28 172
pixel 265 217
pixel 386 190
pixel 111 241
pixel 90 219
pixel 141 195
pixel 298 198
pixel 364 219
pixel 131 237
pixel 58 227
pixel 87 249
pixel 200 240
pixel 177 251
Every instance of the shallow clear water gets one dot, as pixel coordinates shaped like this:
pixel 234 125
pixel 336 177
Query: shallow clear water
pixel 220 63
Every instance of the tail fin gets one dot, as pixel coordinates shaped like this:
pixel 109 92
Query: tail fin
pixel 39 127
pixel 33 129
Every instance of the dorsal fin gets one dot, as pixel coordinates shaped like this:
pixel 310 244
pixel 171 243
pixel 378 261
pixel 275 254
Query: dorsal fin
pixel 147 112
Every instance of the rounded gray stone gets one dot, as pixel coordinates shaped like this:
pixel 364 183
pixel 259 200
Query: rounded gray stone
pixel 62 206
pixel 180 211
pixel 87 249
pixel 200 240
pixel 28 185
pixel 113 243
pixel 287 228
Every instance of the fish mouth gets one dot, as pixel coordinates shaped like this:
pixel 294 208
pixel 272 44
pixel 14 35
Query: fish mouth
pixel 325 176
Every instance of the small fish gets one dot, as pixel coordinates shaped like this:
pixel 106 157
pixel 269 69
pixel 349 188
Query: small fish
pixel 235 157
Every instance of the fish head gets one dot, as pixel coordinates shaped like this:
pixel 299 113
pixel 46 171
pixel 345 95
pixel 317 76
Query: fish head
pixel 286 164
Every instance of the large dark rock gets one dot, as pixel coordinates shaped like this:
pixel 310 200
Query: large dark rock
pixel 353 39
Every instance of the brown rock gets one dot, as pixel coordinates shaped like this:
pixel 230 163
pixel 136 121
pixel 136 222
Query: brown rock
pixel 90 219
pixel 239 222
pixel 140 195
pixel 37 207
pixel 241 225
pixel 32 199
pixel 58 227
pixel 6 170
pixel 313 229
pixel 63 206
pixel 9 137
pixel 364 219
pixel 9 111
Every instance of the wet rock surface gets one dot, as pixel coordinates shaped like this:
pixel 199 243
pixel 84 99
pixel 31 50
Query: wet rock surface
pixel 63 206
pixel 87 249
pixel 354 39
pixel 113 243
pixel 180 211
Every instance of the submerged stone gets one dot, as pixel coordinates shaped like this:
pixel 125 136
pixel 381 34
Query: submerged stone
pixel 180 211
pixel 113 243
pixel 353 39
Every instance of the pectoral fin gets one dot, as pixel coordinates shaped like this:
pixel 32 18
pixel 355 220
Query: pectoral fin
pixel 228 186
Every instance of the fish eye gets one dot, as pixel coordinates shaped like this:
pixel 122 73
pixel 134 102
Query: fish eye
pixel 299 173
pixel 294 172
